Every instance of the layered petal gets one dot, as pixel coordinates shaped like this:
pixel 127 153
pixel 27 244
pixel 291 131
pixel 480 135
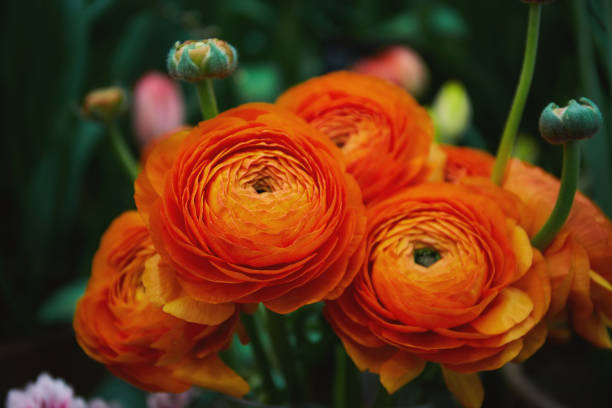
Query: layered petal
pixel 450 278
pixel 579 259
pixel 253 206
pixel 117 324
pixel 382 131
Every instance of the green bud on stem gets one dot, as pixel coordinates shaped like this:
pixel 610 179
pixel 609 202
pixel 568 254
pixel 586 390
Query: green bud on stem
pixel 576 121
pixel 193 61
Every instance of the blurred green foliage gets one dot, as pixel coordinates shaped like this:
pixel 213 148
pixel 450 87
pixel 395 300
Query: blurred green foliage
pixel 62 186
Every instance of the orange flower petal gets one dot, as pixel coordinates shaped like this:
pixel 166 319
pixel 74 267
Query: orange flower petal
pixel 213 374
pixel 254 206
pixel 399 370
pixel 159 282
pixel 199 312
pixel 382 131
pixel 467 388
pixel 509 352
pixel 509 308
pixel 532 342
pixel 594 329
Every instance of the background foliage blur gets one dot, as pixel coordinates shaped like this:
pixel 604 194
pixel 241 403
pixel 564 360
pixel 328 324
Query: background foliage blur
pixel 61 185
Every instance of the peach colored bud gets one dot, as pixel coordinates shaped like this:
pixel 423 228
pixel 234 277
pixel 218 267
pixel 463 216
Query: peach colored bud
pixel 104 104
pixel 398 64
pixel 158 107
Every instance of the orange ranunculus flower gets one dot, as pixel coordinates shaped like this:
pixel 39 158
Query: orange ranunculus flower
pixel 383 132
pixel 254 206
pixel 581 255
pixel 475 307
pixel 117 325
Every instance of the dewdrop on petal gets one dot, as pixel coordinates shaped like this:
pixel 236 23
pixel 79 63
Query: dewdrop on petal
pixel 193 61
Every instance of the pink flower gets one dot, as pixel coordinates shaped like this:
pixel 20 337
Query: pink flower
pixel 166 400
pixel 398 64
pixel 47 392
pixel 158 107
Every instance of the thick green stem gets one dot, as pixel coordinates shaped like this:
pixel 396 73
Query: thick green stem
pixel 279 337
pixel 565 199
pixel 261 358
pixel 520 97
pixel 122 151
pixel 208 102
pixel 340 380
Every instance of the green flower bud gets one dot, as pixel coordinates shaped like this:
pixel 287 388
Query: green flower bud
pixel 451 112
pixel 105 104
pixel 577 120
pixel 193 61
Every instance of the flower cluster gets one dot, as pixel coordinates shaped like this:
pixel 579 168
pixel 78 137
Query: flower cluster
pixel 338 193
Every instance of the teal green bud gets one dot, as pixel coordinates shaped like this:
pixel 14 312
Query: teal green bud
pixel 577 120
pixel 194 61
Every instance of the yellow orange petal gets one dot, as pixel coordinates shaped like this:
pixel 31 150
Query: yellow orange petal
pixel 399 370
pixel 366 358
pixel 593 328
pixel 509 308
pixel 532 342
pixel 213 374
pixel 194 311
pixel 508 353
pixel 467 388
pixel 522 249
pixel 159 282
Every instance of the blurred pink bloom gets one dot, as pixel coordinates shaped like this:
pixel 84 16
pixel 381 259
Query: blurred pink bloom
pixel 47 392
pixel 158 107
pixel 398 64
pixel 166 400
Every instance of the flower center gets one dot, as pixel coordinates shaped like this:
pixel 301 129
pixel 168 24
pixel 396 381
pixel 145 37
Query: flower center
pixel 262 185
pixel 426 256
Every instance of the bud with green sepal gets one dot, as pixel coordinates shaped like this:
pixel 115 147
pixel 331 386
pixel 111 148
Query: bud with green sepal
pixel 577 120
pixel 567 126
pixel 200 61
pixel 106 105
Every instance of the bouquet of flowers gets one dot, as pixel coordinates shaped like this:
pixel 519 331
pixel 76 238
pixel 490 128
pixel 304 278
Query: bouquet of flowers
pixel 338 205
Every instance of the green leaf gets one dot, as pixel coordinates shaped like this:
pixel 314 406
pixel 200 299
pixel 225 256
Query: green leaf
pixel 60 306
pixel 257 82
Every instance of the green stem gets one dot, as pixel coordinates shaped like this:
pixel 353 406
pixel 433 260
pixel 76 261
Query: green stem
pixel 279 337
pixel 208 102
pixel 382 398
pixel 520 97
pixel 261 358
pixel 565 199
pixel 596 149
pixel 122 151
pixel 340 380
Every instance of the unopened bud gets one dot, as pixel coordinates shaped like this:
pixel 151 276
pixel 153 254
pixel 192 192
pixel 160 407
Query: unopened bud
pixel 451 112
pixel 193 61
pixel 105 104
pixel 577 120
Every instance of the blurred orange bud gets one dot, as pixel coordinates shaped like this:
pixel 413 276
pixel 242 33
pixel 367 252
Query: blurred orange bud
pixel 158 107
pixel 398 64
pixel 104 104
